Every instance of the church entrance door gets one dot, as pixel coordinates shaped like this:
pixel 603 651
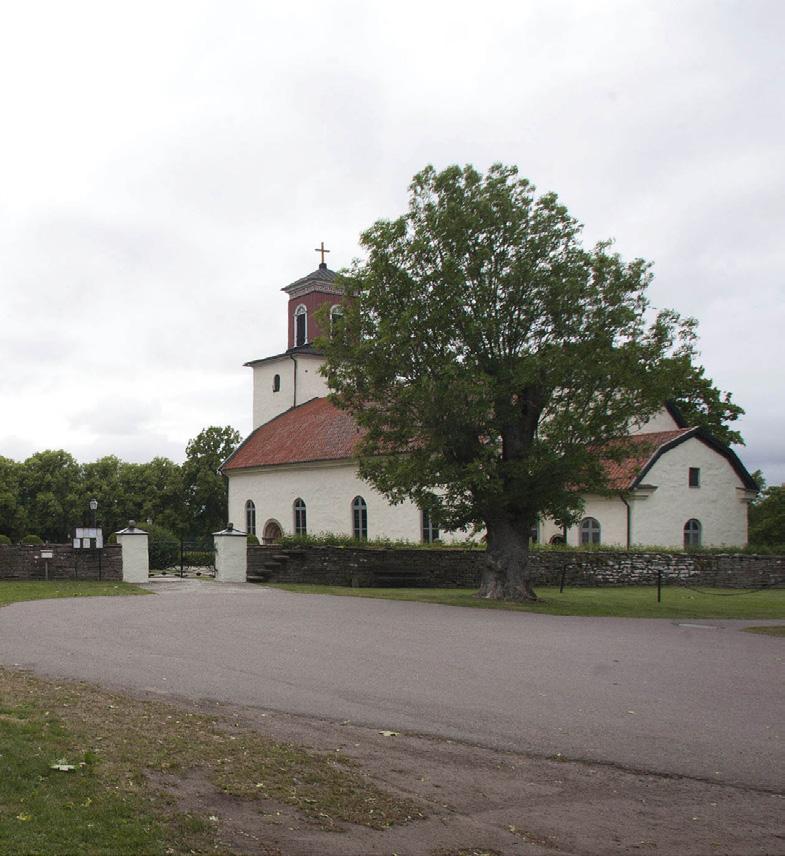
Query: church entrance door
pixel 272 532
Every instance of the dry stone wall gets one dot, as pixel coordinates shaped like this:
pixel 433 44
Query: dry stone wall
pixel 369 566
pixel 24 562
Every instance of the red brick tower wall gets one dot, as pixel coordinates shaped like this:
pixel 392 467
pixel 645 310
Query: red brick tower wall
pixel 311 301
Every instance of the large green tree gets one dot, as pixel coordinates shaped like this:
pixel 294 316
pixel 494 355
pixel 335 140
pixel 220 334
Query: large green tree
pixel 204 488
pixel 700 402
pixel 11 511
pixel 100 480
pixel 49 495
pixel 488 355
pixel 767 517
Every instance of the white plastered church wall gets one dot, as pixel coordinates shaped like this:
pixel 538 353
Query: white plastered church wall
pixel 267 403
pixel 661 421
pixel 610 512
pixel 720 503
pixel 328 490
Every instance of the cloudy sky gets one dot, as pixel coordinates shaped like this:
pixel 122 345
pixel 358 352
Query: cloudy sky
pixel 165 167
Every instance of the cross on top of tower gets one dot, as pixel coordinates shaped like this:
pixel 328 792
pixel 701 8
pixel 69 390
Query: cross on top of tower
pixel 322 251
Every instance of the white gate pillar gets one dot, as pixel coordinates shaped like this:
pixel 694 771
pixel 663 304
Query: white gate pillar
pixel 136 559
pixel 231 555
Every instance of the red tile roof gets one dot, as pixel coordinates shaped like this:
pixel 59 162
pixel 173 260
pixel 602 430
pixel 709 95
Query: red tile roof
pixel 319 431
pixel 643 447
pixel 314 431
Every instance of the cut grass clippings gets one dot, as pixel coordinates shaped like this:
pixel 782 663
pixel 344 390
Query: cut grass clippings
pixel 121 748
pixel 617 602
pixel 13 591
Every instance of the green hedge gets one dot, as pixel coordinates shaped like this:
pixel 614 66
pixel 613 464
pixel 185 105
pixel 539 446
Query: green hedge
pixel 198 558
pixel 331 539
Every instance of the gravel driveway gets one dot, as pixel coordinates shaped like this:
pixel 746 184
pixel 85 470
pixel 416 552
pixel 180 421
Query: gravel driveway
pixel 698 699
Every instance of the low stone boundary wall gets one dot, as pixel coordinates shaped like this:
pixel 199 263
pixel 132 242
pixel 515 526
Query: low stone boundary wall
pixel 24 562
pixel 345 566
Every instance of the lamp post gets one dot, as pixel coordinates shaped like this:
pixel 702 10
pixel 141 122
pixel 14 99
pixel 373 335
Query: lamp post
pixel 94 508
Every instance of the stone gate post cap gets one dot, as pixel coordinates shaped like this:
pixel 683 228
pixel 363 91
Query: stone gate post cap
pixel 230 530
pixel 131 529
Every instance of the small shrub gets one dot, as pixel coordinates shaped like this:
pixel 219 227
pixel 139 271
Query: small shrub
pixel 332 539
pixel 32 539
pixel 4 539
pixel 252 539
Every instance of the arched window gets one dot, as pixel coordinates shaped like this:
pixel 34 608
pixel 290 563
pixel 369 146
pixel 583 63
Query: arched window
pixel 276 383
pixel 300 325
pixel 590 531
pixel 430 531
pixel 250 518
pixel 336 315
pixel 692 533
pixel 557 539
pixel 300 525
pixel 359 519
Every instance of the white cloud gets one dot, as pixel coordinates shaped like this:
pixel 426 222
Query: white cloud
pixel 166 168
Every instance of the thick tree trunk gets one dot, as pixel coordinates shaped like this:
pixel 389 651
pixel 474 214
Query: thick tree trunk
pixel 507 575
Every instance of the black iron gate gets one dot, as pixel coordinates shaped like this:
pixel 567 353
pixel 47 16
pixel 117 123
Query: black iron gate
pixel 186 557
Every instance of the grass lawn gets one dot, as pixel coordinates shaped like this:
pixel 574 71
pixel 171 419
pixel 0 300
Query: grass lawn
pixel 770 630
pixel 619 602
pixel 12 591
pixel 91 772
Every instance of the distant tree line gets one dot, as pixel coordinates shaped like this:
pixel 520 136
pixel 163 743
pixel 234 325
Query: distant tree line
pixel 767 514
pixel 48 494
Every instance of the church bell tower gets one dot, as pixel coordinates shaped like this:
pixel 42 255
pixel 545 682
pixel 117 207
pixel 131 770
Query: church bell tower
pixel 306 295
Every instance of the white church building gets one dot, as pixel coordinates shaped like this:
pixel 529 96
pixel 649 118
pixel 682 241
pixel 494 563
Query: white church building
pixel 296 474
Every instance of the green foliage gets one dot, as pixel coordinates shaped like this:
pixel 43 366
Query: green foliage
pixel 11 511
pixel 332 539
pixel 49 494
pixel 163 546
pixel 767 517
pixel 205 494
pixel 151 491
pixel 198 558
pixel 31 539
pixel 252 539
pixel 488 355
pixel 701 403
pixel 4 539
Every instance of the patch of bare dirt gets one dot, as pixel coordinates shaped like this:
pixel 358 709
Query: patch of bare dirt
pixel 479 802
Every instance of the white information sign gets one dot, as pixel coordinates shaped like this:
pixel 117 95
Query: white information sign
pixel 88 538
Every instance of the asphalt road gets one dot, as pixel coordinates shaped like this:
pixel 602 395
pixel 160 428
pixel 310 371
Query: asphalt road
pixel 703 701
